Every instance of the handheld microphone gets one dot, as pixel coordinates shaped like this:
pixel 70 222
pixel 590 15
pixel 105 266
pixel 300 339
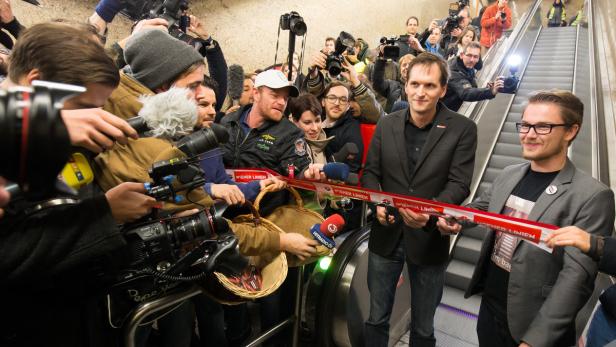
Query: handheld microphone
pixel 235 81
pixel 324 232
pixel 340 172
pixel 167 115
pixel 347 153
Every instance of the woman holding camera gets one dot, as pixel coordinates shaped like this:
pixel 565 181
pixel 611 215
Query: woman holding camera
pixel 496 19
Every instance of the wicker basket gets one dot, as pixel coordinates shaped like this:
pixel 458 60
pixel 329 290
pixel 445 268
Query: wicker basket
pixel 295 219
pixel 273 269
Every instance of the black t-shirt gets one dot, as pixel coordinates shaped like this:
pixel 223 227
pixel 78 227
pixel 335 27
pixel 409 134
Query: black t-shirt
pixel 415 139
pixel 528 190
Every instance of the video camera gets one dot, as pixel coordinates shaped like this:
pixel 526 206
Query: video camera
pixel 390 49
pixel 163 252
pixel 334 61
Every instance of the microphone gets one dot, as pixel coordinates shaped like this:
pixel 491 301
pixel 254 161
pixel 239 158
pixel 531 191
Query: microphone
pixel 235 81
pixel 324 232
pixel 340 172
pixel 348 152
pixel 167 115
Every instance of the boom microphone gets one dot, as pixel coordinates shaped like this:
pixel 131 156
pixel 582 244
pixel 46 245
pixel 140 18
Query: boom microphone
pixel 235 81
pixel 167 115
pixel 324 232
pixel 347 153
pixel 340 172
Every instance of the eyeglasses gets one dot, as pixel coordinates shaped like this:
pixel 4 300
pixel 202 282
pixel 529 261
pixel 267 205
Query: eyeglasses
pixel 540 129
pixel 343 100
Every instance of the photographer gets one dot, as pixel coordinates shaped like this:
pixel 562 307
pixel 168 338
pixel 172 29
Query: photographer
pixel 371 110
pixel 412 25
pixel 209 48
pixel 392 90
pixel 462 85
pixel 47 297
pixel 468 35
pixel 496 19
pixel 432 44
pixel 453 31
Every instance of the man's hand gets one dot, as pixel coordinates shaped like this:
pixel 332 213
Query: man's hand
pixel 299 245
pixel 415 44
pixel 128 202
pixel 315 172
pixel 433 24
pixel 448 227
pixel 96 129
pixel 456 32
pixel 4 196
pixel 498 15
pixel 154 23
pixel 497 85
pixel 230 193
pixel 232 109
pixel 350 74
pixel 6 13
pixel 273 184
pixel 317 63
pixel 570 236
pixel 413 219
pixel 381 216
pixel 197 28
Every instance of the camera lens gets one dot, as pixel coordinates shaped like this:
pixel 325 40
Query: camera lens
pixel 203 140
pixel 190 228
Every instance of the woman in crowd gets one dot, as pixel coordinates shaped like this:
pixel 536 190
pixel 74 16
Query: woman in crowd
pixel 306 113
pixel 468 35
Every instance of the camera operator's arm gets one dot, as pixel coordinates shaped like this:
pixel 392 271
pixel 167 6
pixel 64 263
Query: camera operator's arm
pixel 117 49
pixel 371 110
pixel 4 196
pixel 10 23
pixel 316 81
pixel 96 129
pixel 217 65
pixel 466 92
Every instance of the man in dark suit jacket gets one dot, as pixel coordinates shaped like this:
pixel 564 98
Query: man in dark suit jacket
pixel 530 296
pixel 426 151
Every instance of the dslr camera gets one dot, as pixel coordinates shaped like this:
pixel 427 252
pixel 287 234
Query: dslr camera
pixel 334 61
pixel 390 49
pixel 294 22
pixel 454 19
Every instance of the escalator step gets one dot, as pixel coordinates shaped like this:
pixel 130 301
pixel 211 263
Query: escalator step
pixel 467 249
pixel 458 274
pixel 511 150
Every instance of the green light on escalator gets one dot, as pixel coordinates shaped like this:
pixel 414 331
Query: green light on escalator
pixel 324 263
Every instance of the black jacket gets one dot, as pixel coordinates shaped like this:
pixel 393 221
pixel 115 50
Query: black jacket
pixel 273 145
pixel 392 90
pixel 462 86
pixel 48 270
pixel 443 173
pixel 14 28
pixel 346 130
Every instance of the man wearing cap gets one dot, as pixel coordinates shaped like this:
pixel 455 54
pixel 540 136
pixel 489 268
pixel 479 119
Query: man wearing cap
pixel 260 134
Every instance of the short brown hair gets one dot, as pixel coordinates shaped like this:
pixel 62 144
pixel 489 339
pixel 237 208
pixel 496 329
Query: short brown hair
pixel 64 54
pixel 571 107
pixel 303 103
pixel 472 44
pixel 429 59
pixel 333 84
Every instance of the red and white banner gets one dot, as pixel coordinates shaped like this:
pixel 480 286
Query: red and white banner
pixel 531 231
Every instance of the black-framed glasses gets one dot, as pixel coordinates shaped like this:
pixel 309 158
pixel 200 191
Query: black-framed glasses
pixel 540 129
pixel 343 100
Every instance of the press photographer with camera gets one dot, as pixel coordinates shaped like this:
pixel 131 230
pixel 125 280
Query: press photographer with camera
pixel 412 26
pixel 48 253
pixel 462 85
pixel 392 90
pixel 496 19
pixel 432 44
pixel 324 67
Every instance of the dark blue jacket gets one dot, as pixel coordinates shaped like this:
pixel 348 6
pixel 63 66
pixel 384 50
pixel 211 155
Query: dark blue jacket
pixel 214 168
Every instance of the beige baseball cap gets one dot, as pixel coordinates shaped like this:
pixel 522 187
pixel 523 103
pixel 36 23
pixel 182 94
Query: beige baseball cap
pixel 275 79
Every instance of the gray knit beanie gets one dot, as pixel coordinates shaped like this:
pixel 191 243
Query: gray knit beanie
pixel 156 58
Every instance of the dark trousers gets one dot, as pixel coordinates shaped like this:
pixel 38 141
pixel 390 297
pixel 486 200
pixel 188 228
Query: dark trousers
pixel 426 291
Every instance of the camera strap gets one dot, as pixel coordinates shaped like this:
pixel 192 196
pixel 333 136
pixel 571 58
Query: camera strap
pixel 534 232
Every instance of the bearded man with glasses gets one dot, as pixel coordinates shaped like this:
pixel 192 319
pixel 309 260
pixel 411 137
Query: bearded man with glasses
pixel 531 297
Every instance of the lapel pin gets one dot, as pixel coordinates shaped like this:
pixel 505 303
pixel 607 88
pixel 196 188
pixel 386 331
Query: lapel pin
pixel 442 126
pixel 551 190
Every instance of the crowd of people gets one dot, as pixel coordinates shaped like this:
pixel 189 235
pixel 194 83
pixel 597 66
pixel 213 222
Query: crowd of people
pixel 295 126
